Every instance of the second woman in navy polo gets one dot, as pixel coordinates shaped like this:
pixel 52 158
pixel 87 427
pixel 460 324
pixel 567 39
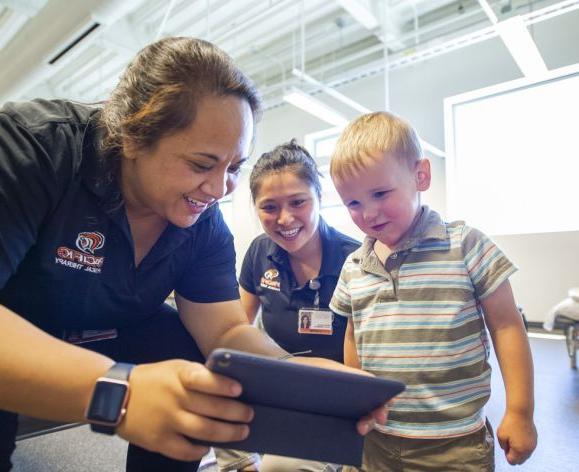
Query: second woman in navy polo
pixel 291 271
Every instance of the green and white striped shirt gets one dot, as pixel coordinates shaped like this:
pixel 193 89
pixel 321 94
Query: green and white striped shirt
pixel 418 319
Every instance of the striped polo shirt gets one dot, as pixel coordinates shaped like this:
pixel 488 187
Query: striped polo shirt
pixel 417 319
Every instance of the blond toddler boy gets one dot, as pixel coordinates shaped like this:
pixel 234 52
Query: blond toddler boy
pixel 418 295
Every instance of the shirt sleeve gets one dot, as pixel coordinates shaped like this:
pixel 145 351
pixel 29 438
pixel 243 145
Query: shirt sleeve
pixel 210 277
pixel 246 277
pixel 30 185
pixel 341 302
pixel 487 265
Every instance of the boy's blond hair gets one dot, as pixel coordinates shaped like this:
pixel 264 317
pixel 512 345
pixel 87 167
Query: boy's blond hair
pixel 371 136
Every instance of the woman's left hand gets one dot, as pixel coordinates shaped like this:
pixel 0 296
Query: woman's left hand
pixel 366 423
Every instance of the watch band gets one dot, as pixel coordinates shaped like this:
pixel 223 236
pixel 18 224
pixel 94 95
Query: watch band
pixel 101 428
pixel 119 371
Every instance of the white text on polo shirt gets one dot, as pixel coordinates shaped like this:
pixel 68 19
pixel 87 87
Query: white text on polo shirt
pixel 81 258
pixel 78 260
pixel 88 242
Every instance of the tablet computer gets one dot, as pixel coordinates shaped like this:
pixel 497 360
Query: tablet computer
pixel 302 411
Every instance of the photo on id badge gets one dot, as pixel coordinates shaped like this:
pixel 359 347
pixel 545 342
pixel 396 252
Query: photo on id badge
pixel 315 321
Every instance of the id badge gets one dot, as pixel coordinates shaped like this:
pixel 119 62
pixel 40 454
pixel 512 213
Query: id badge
pixel 89 335
pixel 315 321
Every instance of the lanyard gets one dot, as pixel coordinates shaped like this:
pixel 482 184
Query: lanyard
pixel 315 284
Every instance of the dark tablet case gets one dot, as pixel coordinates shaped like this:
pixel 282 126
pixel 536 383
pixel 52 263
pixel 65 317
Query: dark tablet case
pixel 302 411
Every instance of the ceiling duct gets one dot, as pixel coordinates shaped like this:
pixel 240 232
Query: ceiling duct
pixel 66 49
pixel 33 64
pixel 105 13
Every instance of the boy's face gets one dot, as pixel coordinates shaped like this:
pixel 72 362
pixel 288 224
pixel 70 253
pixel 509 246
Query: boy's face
pixel 383 198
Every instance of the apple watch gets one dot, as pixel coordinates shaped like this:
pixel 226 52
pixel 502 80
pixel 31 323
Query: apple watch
pixel 107 406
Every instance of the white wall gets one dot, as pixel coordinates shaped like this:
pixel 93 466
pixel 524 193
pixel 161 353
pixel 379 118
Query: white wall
pixel 548 266
pixel 548 263
pixel 245 223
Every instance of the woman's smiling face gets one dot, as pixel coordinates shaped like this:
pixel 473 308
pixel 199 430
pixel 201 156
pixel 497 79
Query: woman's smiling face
pixel 288 209
pixel 184 173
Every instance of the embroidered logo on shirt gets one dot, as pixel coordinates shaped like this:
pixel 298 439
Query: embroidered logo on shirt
pixel 85 259
pixel 268 280
pixel 90 242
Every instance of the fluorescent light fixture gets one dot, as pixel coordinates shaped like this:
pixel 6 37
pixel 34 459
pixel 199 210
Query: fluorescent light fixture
pixel 312 105
pixel 330 91
pixel 558 337
pixel 334 93
pixel 361 11
pixel 518 41
pixel 516 37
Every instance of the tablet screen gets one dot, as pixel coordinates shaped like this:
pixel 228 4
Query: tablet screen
pixel 283 384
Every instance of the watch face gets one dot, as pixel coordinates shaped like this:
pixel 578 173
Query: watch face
pixel 107 402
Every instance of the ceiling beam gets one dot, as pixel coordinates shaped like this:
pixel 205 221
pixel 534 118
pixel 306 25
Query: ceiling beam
pixel 519 42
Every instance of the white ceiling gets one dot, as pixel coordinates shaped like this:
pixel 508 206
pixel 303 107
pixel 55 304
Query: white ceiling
pixel 59 48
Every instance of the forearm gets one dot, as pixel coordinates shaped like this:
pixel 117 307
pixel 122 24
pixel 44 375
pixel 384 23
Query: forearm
pixel 43 376
pixel 224 325
pixel 250 303
pixel 351 358
pixel 249 339
pixel 350 353
pixel 244 337
pixel 516 363
pixel 512 349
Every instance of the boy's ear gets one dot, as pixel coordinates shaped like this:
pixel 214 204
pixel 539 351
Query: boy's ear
pixel 423 175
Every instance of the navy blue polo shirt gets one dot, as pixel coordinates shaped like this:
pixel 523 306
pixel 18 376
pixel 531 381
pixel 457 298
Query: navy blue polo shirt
pixel 66 251
pixel 281 302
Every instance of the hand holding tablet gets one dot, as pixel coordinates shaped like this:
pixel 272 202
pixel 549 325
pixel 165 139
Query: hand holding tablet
pixel 302 411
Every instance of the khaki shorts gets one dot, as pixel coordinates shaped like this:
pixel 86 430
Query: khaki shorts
pixel 231 460
pixel 387 453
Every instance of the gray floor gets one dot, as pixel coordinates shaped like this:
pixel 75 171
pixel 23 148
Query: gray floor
pixel 557 420
pixel 556 410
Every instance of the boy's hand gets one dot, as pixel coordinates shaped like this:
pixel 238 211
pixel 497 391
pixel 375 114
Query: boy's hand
pixel 378 416
pixel 368 422
pixel 517 436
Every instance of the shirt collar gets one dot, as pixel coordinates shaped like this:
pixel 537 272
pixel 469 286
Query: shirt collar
pixel 95 171
pixel 429 226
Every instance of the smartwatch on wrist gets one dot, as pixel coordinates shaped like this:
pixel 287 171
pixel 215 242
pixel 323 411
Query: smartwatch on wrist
pixel 107 406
